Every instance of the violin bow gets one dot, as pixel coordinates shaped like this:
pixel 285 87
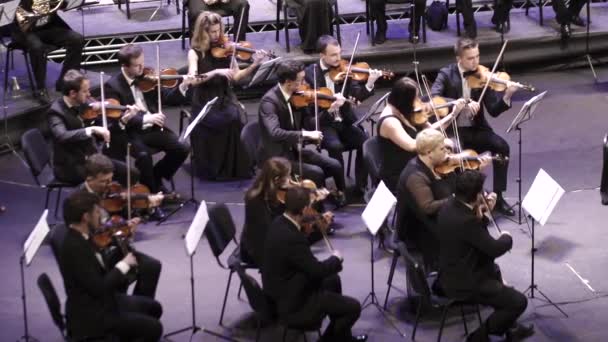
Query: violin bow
pixel 128 161
pixel 236 38
pixel 485 87
pixel 350 63
pixel 428 91
pixel 104 118
pixel 158 85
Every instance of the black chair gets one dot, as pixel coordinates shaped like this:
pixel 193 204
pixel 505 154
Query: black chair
pixel 250 138
pixel 540 6
pixel 369 20
pixel 52 301
pixel 264 307
pixel 37 156
pixel 219 232
pixel 285 5
pixel 478 3
pixel 417 278
pixel 392 245
pixel 371 152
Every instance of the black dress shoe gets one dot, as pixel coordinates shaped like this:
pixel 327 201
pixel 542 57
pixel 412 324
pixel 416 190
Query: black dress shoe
pixel 519 332
pixel 42 96
pixel 157 214
pixel 380 37
pixel 503 207
pixel 565 31
pixel 339 199
pixel 604 198
pixel 359 338
pixel 578 21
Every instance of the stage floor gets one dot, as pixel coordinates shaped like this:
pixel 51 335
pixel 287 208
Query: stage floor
pixel 564 138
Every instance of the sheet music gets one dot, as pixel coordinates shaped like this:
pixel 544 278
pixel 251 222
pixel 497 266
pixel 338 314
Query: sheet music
pixel 542 197
pixel 197 227
pixel 198 118
pixel 378 208
pixel 34 240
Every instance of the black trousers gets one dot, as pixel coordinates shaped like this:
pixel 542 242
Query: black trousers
pixel 482 140
pixel 564 14
pixel 143 145
pixel 317 167
pixel 51 36
pixel 233 8
pixel 340 138
pixel 501 11
pixel 377 10
pixel 75 174
pixel 148 273
pixel 508 305
pixel 314 20
pixel 137 319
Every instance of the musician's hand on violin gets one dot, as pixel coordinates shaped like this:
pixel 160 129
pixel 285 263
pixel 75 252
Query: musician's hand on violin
pixel 458 106
pixel 328 216
pixel 374 75
pixel 484 160
pixel 131 112
pixel 132 223
pixel 157 119
pixel 491 200
pixel 101 132
pixel 474 107
pixel 155 200
pixel 335 106
pixel 228 73
pixel 259 56
pixel 511 89
pixel 321 194
pixel 313 135
pixel 130 260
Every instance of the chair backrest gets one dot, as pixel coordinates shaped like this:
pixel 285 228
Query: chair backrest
pixel 220 230
pixel 415 272
pixel 371 156
pixel 52 301
pixel 258 300
pixel 250 138
pixel 36 151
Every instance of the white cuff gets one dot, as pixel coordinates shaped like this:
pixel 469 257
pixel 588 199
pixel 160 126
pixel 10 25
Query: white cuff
pixel 123 267
pixel 368 87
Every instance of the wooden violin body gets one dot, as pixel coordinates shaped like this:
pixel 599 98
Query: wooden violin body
pixel 114 109
pixel 244 49
pixel 498 82
pixel 305 96
pixel 358 72
pixel 469 159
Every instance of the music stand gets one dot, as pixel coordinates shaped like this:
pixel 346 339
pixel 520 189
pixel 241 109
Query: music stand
pixel 201 115
pixel 191 240
pixel 587 56
pixel 373 216
pixel 7 15
pixel 30 247
pixel 264 73
pixel 373 109
pixel 539 202
pixel 525 114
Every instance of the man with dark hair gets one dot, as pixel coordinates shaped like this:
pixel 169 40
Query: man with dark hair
pixel 73 143
pixel 283 131
pixel 146 131
pixel 467 252
pixel 336 123
pixel 473 128
pixel 94 307
pixel 223 8
pixel 305 289
pixel 39 27
pixel 377 10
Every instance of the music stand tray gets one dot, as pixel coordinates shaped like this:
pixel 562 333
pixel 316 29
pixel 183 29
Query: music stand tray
pixel 265 72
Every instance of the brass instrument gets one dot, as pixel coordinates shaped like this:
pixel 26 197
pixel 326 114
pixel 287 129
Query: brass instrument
pixel 41 9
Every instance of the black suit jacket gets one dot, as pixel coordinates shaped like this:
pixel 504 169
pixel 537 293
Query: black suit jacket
pixel 467 250
pixel 71 144
pixel 449 85
pixel 279 136
pixel 354 89
pixel 258 217
pixel 90 288
pixel 290 273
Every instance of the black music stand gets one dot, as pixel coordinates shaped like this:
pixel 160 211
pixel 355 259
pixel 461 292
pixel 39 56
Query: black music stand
pixel 525 114
pixel 587 56
pixel 201 115
pixel 191 240
pixel 30 247
pixel 264 73
pixel 540 201
pixel 374 216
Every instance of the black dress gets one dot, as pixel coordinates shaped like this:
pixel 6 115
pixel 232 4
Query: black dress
pixel 218 153
pixel 393 158
pixel 314 20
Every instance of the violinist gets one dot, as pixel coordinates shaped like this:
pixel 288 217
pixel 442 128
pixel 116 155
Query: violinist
pixel 216 140
pixel 400 121
pixel 303 287
pixel 73 143
pixel 99 172
pixel 282 132
pixel 474 130
pixel 95 306
pixel 146 131
pixel 225 7
pixel 336 123
pixel 467 268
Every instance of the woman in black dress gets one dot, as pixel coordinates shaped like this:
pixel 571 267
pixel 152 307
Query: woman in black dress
pixel 218 153
pixel 314 21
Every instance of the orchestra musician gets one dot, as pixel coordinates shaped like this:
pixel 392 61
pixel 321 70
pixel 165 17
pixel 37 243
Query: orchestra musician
pixel 73 143
pixel 336 123
pixel 146 131
pixel 282 132
pixel 95 306
pixel 397 129
pixel 378 12
pixel 221 7
pixel 567 15
pixel 502 10
pixel 38 27
pixel 467 253
pixel 99 172
pixel 474 130
pixel 218 152
pixel 314 20
pixel 304 288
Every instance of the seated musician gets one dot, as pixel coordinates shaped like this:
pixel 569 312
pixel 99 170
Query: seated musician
pixel 314 20
pixel 38 27
pixel 222 8
pixel 73 143
pixel 378 12
pixel 146 131
pixel 305 289
pixel 467 254
pixel 567 15
pixel 473 128
pixel 336 123
pixel 501 14
pixel 400 122
pixel 95 307
pixel 219 154
pixel 99 172
pixel 282 132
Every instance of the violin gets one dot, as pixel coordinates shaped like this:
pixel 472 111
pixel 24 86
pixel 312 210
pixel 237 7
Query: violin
pixel 103 237
pixel 115 199
pixel 358 72
pixel 305 96
pixel 244 50
pixel 169 78
pixel 114 109
pixel 467 158
pixel 312 220
pixel 499 80
pixel 423 110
